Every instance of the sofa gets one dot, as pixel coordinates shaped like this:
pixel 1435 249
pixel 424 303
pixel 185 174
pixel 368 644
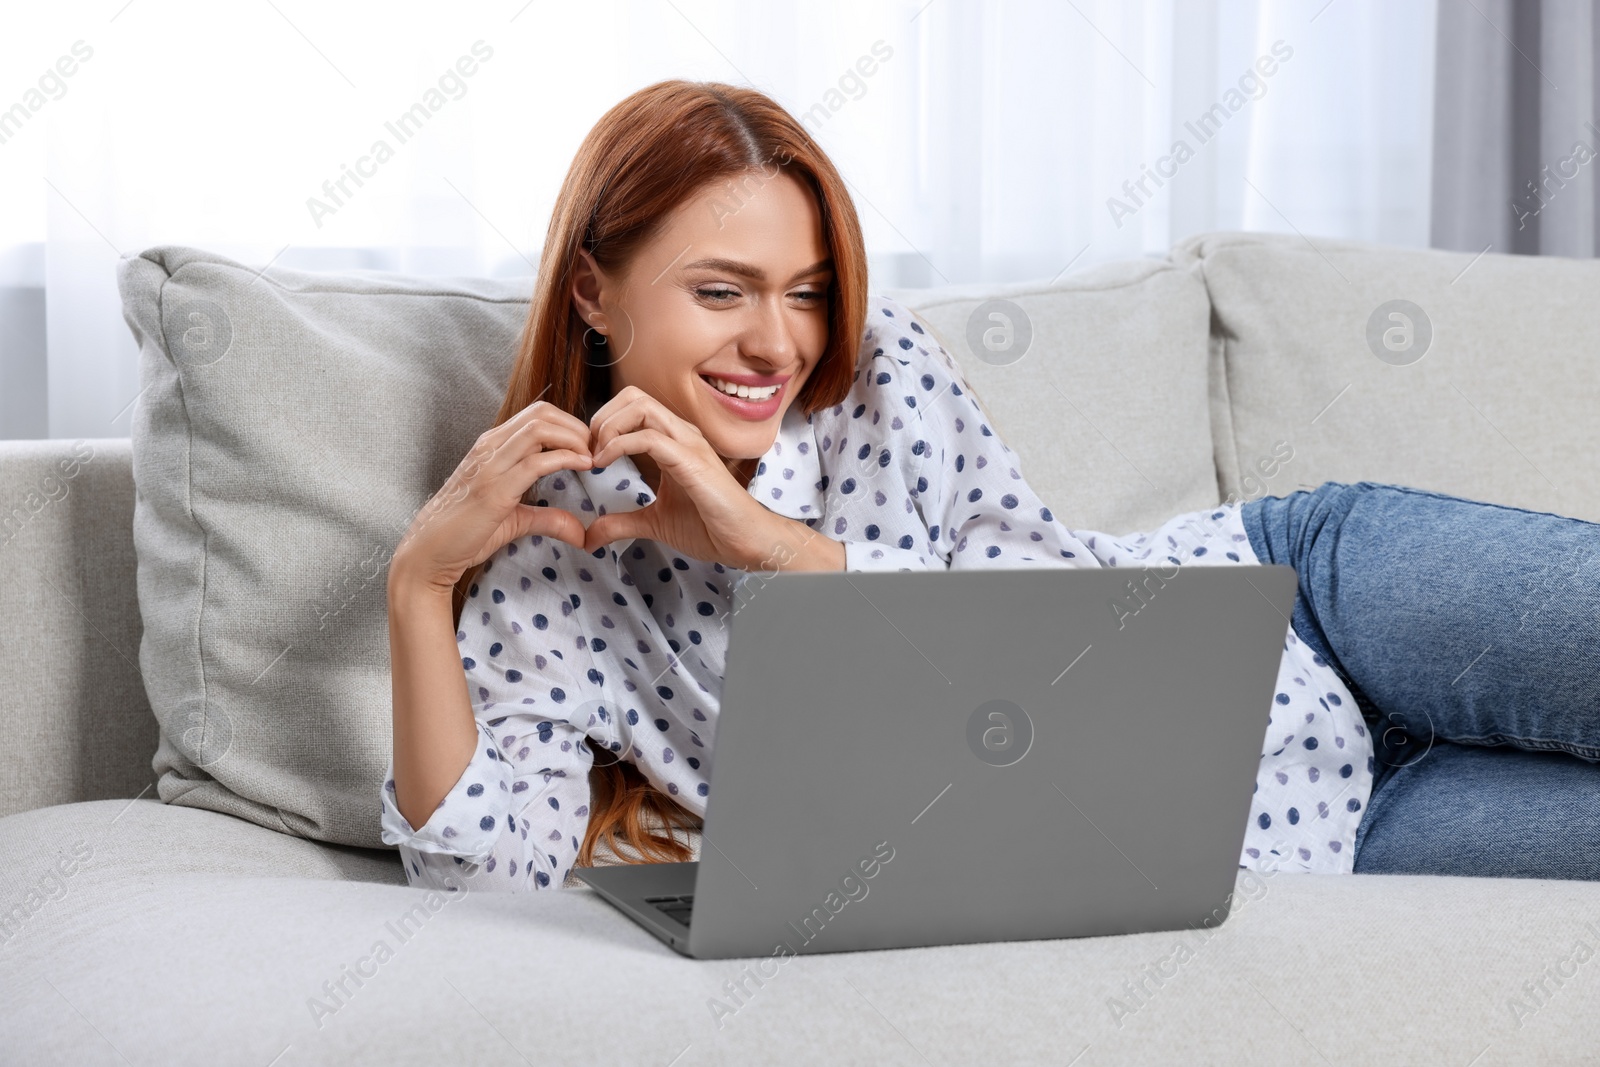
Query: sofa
pixel 212 890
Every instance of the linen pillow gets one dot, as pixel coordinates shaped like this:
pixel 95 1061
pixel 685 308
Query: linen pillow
pixel 290 426
pixel 1107 406
pixel 1448 371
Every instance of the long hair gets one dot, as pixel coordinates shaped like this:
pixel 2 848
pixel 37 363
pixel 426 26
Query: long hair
pixel 645 157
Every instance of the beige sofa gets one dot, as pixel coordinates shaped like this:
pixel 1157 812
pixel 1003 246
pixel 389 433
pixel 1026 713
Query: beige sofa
pixel 134 930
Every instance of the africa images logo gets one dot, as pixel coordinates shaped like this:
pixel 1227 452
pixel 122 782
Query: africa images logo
pixel 999 732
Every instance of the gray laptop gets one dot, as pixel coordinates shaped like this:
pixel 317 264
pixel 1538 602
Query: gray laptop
pixel 929 758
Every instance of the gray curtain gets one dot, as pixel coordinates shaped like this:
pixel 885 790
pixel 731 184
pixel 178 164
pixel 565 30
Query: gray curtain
pixel 1516 141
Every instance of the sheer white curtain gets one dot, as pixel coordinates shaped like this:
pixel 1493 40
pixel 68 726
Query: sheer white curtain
pixel 984 141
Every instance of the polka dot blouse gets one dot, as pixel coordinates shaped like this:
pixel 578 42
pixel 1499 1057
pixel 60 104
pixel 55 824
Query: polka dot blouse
pixel 574 657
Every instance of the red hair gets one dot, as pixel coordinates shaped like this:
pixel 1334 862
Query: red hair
pixel 646 156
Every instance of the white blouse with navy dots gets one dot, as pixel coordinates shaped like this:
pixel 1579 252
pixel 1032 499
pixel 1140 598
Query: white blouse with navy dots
pixel 622 651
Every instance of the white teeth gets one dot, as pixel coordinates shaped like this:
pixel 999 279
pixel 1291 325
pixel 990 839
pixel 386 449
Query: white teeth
pixel 749 392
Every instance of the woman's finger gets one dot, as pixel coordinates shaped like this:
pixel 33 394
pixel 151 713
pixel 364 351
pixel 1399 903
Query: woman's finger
pixel 528 520
pixel 491 469
pixel 536 465
pixel 619 525
pixel 542 413
pixel 533 437
pixel 618 400
pixel 622 410
pixel 545 411
pixel 505 486
pixel 639 416
pixel 547 436
pixel 625 407
pixel 669 453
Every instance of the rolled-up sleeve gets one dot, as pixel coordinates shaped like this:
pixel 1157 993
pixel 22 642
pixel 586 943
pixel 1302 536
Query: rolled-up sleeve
pixel 516 817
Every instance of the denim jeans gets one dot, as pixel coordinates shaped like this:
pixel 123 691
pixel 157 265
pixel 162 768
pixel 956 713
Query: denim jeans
pixel 1469 634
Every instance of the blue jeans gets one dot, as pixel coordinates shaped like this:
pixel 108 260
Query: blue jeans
pixel 1469 634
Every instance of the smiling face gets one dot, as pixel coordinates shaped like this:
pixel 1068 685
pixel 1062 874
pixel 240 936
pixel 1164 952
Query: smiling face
pixel 726 299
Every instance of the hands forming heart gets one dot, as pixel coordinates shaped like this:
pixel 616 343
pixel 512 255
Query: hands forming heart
pixel 700 508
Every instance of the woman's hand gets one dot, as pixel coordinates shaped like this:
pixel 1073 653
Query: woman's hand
pixel 700 508
pixel 479 507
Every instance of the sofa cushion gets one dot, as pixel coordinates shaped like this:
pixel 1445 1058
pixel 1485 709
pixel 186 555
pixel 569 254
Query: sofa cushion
pixel 291 425
pixel 1107 404
pixel 142 841
pixel 1489 393
pixel 187 940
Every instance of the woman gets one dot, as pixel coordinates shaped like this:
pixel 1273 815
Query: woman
pixel 703 373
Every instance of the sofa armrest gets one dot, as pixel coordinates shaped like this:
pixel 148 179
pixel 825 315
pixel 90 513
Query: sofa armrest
pixel 75 723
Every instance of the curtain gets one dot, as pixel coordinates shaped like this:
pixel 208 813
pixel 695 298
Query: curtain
pixel 985 141
pixel 1517 127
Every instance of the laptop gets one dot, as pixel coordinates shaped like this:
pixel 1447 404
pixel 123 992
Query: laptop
pixel 931 758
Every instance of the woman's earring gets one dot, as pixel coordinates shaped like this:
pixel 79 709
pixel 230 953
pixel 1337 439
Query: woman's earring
pixel 591 329
pixel 604 343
